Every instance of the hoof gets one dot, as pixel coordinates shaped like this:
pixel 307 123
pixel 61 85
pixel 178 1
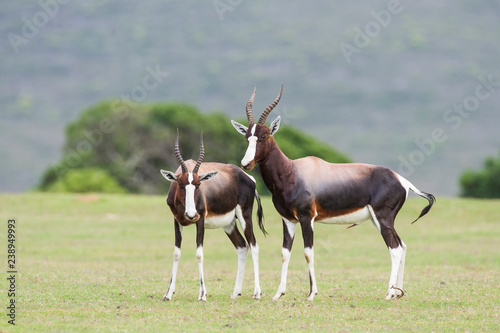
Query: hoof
pixel 278 295
pixel 394 293
pixel 311 297
pixel 235 295
pixel 257 293
pixel 167 297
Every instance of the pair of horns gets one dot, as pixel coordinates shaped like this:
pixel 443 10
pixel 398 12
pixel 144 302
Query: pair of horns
pixel 267 111
pixel 179 157
pixel 251 121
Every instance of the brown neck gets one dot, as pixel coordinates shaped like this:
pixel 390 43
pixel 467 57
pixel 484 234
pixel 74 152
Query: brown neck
pixel 277 170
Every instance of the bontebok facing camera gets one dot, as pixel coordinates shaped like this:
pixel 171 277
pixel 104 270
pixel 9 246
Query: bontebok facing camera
pixel 213 195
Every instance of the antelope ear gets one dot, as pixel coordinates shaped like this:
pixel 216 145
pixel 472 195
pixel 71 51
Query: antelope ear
pixel 239 127
pixel 208 175
pixel 275 125
pixel 169 175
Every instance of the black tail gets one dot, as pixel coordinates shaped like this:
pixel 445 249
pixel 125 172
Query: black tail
pixel 430 198
pixel 260 214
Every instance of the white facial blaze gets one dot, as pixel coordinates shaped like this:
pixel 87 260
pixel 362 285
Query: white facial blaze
pixel 252 147
pixel 190 207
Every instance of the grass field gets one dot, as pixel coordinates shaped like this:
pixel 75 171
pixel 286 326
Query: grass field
pixel 101 263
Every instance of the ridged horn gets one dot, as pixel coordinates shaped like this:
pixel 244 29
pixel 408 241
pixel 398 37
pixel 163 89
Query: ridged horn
pixel 267 111
pixel 202 154
pixel 251 121
pixel 178 154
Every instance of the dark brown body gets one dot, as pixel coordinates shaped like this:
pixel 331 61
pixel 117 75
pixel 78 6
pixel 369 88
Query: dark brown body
pixel 215 197
pixel 310 187
pixel 309 190
pixel 219 202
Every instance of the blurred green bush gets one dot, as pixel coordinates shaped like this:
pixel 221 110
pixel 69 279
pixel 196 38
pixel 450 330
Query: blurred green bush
pixel 484 183
pixel 89 180
pixel 132 142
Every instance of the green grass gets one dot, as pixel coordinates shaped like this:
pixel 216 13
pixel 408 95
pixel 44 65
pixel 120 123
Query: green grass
pixel 102 264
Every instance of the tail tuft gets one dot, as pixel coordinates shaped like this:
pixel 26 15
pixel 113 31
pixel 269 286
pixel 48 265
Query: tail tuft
pixel 409 186
pixel 430 198
pixel 260 214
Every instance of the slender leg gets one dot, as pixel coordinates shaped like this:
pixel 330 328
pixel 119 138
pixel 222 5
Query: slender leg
pixel 394 291
pixel 401 270
pixel 177 258
pixel 242 250
pixel 255 259
pixel 200 233
pixel 288 236
pixel 397 250
pixel 308 235
pixel 245 219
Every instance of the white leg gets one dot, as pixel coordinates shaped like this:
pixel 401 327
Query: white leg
pixel 288 235
pixel 203 290
pixel 401 270
pixel 242 250
pixel 171 287
pixel 255 258
pixel 396 257
pixel 309 255
pixel 285 257
pixel 242 258
pixel 254 250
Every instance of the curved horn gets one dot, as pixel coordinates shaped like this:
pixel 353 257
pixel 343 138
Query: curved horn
pixel 202 154
pixel 178 154
pixel 267 111
pixel 251 121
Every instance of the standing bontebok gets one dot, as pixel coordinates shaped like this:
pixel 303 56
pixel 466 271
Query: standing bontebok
pixel 309 190
pixel 229 194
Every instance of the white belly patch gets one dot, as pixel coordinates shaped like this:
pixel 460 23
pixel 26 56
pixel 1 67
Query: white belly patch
pixel 219 221
pixel 356 217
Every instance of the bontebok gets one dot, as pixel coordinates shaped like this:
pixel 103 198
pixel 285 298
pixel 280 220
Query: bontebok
pixel 213 195
pixel 309 190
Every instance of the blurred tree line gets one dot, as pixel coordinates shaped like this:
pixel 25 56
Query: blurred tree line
pixel 483 183
pixel 119 147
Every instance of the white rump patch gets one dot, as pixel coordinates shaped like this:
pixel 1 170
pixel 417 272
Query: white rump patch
pixel 219 221
pixel 409 186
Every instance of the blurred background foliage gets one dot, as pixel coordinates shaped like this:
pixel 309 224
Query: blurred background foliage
pixel 483 183
pixel 116 147
pixel 86 180
pixel 395 90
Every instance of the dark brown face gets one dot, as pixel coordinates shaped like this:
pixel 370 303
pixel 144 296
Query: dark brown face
pixel 188 182
pixel 187 194
pixel 258 137
pixel 188 190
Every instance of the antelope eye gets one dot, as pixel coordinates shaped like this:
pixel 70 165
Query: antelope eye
pixel 263 136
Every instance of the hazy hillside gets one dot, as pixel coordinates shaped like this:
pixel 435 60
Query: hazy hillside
pixel 390 101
